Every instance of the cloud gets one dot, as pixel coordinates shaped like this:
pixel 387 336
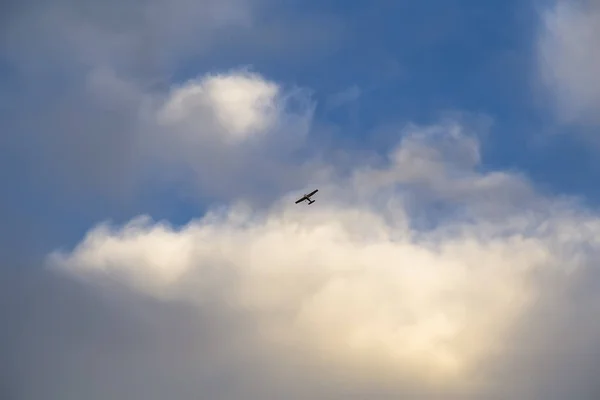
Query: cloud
pixel 350 296
pixel 231 127
pixel 212 130
pixel 141 37
pixel 83 121
pixel 243 104
pixel 569 53
pixel 416 275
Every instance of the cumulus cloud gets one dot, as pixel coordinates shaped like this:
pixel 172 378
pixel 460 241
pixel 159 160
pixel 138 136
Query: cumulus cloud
pixel 569 55
pixel 236 126
pixel 235 108
pixel 417 275
pixel 243 105
pixel 350 296
pixel 232 127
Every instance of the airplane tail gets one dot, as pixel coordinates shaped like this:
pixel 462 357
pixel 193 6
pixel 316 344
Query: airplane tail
pixel 310 202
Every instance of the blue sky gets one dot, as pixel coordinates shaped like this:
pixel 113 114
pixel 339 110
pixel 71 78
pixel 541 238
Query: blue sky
pixel 454 146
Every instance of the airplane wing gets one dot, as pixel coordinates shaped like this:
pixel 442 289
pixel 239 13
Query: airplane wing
pixel 300 200
pixel 313 192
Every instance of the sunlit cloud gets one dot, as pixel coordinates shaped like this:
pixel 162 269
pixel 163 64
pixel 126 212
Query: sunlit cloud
pixel 351 279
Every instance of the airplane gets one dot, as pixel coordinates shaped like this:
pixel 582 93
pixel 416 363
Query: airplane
pixel 307 197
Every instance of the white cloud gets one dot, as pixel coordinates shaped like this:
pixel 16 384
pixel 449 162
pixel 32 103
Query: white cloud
pixel 350 281
pixel 568 59
pixel 232 127
pixel 242 105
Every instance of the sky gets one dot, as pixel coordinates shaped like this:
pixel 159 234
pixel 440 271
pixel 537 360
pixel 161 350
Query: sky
pixel 152 151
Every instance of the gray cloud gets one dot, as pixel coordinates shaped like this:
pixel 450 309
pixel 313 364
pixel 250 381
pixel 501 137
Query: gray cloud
pixel 73 122
pixel 568 55
pixel 81 72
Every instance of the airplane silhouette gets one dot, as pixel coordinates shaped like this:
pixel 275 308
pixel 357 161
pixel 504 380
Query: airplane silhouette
pixel 307 197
